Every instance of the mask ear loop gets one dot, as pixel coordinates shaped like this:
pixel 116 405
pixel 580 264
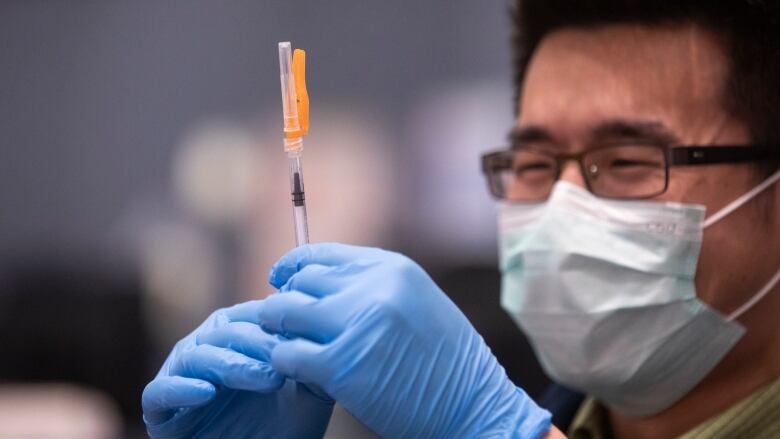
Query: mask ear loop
pixel 760 295
pixel 736 204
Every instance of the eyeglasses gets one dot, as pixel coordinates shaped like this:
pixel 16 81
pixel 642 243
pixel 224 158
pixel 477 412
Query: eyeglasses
pixel 621 171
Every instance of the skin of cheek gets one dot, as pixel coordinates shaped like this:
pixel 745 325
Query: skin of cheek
pixel 734 249
pixel 726 257
pixel 739 253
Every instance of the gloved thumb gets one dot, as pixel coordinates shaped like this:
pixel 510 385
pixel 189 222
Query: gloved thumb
pixel 165 394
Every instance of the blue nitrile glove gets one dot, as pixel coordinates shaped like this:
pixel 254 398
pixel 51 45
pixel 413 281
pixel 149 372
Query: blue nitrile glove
pixel 217 382
pixel 377 335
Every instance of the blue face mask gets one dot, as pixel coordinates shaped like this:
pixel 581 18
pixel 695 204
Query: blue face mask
pixel 605 292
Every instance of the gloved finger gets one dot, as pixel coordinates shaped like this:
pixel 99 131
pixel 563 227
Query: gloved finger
pixel 316 280
pixel 242 337
pixel 295 314
pixel 300 360
pixel 244 312
pixel 227 368
pixel 323 254
pixel 166 394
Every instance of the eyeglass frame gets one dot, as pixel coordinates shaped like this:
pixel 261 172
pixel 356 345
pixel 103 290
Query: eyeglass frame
pixel 676 155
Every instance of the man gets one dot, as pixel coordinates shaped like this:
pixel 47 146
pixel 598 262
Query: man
pixel 639 250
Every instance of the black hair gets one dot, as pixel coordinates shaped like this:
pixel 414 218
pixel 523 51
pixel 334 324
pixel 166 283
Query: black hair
pixel 749 30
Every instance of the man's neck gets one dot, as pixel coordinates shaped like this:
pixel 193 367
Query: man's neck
pixel 734 379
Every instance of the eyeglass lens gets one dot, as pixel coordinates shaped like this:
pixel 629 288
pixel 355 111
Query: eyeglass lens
pixel 620 171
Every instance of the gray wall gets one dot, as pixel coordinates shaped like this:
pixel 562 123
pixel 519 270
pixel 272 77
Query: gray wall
pixel 94 94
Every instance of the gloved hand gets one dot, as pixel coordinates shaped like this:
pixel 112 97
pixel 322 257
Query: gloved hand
pixel 377 334
pixel 217 382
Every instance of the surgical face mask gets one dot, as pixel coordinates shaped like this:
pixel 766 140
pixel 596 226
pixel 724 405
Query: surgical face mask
pixel 605 292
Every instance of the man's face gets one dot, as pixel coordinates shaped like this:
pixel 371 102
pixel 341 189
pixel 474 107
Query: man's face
pixel 585 87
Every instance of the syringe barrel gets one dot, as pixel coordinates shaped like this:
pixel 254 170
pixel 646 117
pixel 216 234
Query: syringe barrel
pixel 298 198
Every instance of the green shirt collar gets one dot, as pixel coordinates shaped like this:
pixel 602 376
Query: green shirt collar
pixel 756 416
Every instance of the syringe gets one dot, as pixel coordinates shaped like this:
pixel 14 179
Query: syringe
pixel 295 105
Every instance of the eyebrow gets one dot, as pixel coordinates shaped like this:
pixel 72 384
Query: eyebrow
pixel 623 129
pixel 634 129
pixel 529 133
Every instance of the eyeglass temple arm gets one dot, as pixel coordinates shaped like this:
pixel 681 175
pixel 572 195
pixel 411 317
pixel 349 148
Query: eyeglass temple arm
pixel 704 155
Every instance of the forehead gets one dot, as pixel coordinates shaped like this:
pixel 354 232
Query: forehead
pixel 673 74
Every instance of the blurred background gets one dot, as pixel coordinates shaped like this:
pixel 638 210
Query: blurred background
pixel 143 182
